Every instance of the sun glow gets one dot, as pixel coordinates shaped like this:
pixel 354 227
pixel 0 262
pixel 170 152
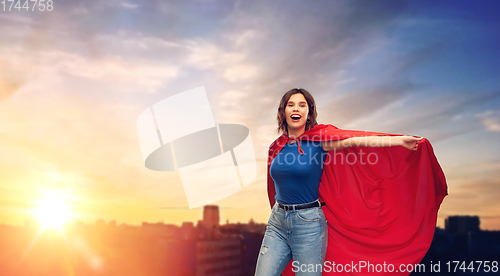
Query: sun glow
pixel 53 212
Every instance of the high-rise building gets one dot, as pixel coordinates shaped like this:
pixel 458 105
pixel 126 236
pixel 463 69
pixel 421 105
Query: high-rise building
pixel 211 216
pixel 461 225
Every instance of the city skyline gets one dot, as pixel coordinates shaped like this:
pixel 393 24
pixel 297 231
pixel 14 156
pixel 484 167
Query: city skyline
pixel 150 248
pixel 210 219
pixel 30 219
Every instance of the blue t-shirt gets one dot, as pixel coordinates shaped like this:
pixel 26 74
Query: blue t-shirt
pixel 297 177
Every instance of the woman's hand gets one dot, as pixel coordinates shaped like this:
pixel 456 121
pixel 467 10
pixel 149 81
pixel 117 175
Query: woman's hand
pixel 409 142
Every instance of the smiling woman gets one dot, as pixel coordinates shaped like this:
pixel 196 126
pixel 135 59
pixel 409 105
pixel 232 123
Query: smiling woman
pixel 53 212
pixel 330 206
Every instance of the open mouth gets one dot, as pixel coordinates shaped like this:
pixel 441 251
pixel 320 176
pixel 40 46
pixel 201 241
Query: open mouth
pixel 295 118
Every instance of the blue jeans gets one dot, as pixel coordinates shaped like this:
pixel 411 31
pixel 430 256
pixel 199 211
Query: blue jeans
pixel 299 234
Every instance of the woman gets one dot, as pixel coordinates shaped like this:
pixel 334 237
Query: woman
pixel 297 227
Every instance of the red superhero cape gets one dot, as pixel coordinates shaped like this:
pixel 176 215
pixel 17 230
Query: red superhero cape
pixel 381 202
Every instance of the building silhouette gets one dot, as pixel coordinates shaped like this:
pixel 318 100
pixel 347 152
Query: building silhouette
pixel 461 225
pixel 211 216
pixel 463 242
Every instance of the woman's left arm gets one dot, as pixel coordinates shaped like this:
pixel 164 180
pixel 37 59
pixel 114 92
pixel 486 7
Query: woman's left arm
pixel 408 142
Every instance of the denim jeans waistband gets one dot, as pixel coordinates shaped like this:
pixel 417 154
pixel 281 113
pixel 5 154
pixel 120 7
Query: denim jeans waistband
pixel 288 207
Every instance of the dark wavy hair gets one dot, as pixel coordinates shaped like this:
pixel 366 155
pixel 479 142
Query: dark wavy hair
pixel 282 125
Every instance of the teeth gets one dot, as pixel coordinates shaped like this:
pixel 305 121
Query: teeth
pixel 295 117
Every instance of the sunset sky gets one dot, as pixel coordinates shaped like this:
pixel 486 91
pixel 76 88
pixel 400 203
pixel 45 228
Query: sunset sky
pixel 74 80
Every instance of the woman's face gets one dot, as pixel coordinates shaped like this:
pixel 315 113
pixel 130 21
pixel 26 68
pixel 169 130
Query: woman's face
pixel 296 111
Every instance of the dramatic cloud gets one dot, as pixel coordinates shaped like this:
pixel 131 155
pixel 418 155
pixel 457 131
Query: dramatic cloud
pixel 73 81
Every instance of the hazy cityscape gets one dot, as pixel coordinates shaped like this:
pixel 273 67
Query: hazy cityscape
pixel 108 248
pixel 207 248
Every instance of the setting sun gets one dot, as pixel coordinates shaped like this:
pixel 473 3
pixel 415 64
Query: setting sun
pixel 53 212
